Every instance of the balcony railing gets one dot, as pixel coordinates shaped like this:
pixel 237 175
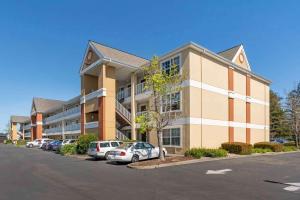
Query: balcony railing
pixel 53 130
pixel 72 127
pixel 91 124
pixel 123 111
pixel 139 89
pixel 120 135
pixel 27 127
pixel 140 113
pixel 65 114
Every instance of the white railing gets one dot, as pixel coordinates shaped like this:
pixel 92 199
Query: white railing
pixel 27 127
pixel 140 88
pixel 91 124
pixel 98 93
pixel 123 94
pixel 27 134
pixel 123 111
pixel 73 111
pixel 72 127
pixel 53 130
pixel 120 135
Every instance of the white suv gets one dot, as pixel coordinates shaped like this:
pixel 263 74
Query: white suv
pixel 101 149
pixel 37 143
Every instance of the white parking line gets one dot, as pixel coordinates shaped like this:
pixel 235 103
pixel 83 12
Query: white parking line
pixel 221 171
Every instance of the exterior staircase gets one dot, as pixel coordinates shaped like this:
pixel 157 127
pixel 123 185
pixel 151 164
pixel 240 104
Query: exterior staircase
pixel 123 119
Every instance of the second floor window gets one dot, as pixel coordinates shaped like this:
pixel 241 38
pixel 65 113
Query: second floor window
pixel 171 102
pixel 175 62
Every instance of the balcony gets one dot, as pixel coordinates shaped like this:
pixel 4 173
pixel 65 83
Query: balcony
pixel 72 128
pixel 68 114
pixel 27 127
pixel 98 93
pixel 53 131
pixel 91 125
pixel 140 113
pixel 139 90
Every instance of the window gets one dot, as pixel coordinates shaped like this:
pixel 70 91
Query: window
pixel 114 144
pixel 175 62
pixel 104 144
pixel 139 146
pixel 171 137
pixel 171 102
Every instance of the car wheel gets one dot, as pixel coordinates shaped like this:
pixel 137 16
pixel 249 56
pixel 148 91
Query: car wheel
pixel 106 155
pixel 135 158
pixel 31 145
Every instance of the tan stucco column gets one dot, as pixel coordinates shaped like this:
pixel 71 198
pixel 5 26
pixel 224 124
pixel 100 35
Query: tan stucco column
pixel 107 103
pixel 133 106
pixel 23 132
pixel 82 107
pixel 13 131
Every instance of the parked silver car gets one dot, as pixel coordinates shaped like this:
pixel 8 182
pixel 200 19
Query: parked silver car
pixel 101 149
pixel 134 152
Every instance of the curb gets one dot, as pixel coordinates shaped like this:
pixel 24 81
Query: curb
pixel 206 159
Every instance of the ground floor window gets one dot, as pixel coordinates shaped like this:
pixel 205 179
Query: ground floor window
pixel 171 137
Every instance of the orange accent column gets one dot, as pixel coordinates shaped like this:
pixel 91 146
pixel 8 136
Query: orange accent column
pixel 101 117
pixel 248 110
pixel 82 119
pixel 230 104
pixel 39 126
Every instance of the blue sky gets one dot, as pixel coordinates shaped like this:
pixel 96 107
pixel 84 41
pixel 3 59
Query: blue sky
pixel 42 42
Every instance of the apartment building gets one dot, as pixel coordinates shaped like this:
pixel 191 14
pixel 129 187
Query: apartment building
pixel 55 119
pixel 222 100
pixel 20 127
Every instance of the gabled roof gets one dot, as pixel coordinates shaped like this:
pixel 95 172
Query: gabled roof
pixel 41 105
pixel 118 55
pixel 230 53
pixel 19 119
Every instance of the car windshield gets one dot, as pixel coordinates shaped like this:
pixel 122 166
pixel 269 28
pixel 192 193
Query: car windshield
pixel 93 145
pixel 125 146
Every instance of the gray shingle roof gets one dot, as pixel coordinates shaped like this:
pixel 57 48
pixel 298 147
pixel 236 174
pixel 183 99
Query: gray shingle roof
pixel 230 53
pixel 19 119
pixel 42 105
pixel 118 55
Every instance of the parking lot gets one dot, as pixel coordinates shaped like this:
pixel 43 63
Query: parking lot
pixel 35 174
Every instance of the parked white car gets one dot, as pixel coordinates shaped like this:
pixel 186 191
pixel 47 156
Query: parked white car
pixel 37 143
pixel 101 149
pixel 134 152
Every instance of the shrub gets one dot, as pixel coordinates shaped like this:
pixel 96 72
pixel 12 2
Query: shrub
pixel 238 148
pixel 260 150
pixel 268 145
pixel 68 149
pixel 8 142
pixel 200 152
pixel 292 143
pixel 289 148
pixel 84 141
pixel 21 142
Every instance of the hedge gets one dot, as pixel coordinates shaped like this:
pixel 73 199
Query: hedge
pixel 84 142
pixel 238 148
pixel 275 147
pixel 289 144
pixel 289 148
pixel 260 150
pixel 201 152
pixel 8 141
pixel 21 142
pixel 68 149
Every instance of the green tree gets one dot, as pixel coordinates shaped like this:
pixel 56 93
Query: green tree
pixel 160 83
pixel 278 123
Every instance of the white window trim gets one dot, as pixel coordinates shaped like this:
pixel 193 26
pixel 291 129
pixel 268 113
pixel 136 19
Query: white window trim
pixel 173 127
pixel 172 57
pixel 180 110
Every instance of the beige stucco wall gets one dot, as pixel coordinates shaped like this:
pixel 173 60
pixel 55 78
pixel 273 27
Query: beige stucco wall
pixel 239 111
pixel 239 83
pixel 257 89
pixel 240 135
pixel 214 73
pixel 257 135
pixel 258 114
pixel 214 106
pixel 90 83
pixel 214 136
